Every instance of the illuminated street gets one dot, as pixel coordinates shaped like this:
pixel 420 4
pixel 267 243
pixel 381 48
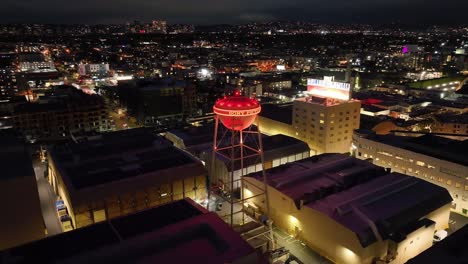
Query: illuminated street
pixel 47 198
pixel 121 119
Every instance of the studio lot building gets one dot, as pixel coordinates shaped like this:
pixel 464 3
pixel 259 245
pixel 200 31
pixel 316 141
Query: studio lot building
pixel 179 232
pixel 351 211
pixel 326 124
pixel 435 159
pixel 120 173
pixel 277 150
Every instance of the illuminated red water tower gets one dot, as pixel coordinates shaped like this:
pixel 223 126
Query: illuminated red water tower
pixel 238 144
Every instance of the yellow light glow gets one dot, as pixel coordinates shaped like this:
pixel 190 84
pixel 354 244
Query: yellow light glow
pixel 293 220
pixel 349 256
pixel 247 193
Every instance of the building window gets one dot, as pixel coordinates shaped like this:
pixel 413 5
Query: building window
pixel 457 185
pixel 449 182
pixel 420 163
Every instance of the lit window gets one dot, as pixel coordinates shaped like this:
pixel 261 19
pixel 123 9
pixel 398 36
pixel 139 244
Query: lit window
pixel 449 182
pixel 420 163
pixel 457 185
pixel 322 121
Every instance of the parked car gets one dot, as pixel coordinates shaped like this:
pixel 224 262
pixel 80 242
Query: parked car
pixel 440 235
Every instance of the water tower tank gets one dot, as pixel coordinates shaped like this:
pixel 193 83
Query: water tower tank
pixel 237 112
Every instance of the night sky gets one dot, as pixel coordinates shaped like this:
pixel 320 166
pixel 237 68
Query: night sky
pixel 235 11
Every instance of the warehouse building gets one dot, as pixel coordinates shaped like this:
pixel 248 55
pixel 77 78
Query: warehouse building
pixel 120 173
pixel 351 211
pixel 435 159
pixel 278 149
pixel 179 232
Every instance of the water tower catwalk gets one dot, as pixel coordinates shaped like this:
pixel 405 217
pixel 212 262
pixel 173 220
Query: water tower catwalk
pixel 237 145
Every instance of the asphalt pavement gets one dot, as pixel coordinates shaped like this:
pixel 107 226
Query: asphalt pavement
pixel 456 222
pixel 298 249
pixel 47 198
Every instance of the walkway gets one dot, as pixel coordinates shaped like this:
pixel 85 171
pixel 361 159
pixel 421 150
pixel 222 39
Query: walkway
pixel 47 198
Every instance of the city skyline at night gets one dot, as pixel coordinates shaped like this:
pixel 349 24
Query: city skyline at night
pixel 234 12
pixel 253 132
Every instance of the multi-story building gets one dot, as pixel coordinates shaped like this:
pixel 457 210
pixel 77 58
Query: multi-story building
pixel 55 117
pixel 325 118
pixel 435 159
pixel 34 62
pixel 159 26
pixel 21 219
pixel 326 124
pixel 120 173
pixel 91 69
pixel 8 84
pixel 158 102
pixel 349 210
pixel 451 124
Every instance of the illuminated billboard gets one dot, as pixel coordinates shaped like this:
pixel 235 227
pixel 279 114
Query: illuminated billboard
pixel 329 89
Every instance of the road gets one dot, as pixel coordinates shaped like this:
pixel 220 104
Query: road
pixel 296 248
pixel 121 119
pixel 47 198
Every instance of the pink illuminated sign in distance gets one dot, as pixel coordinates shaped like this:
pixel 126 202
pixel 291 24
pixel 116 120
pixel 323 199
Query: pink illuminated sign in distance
pixel 328 89
pixel 405 50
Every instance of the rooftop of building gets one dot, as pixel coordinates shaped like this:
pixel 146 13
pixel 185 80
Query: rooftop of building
pixel 15 159
pixel 154 84
pixel 453 80
pixel 328 102
pixel 430 145
pixel 372 109
pixel 61 98
pixel 454 118
pixel 178 232
pixel 31 57
pixel 449 104
pixel 355 193
pixel 278 112
pixel 119 156
pixel 274 147
pixel 450 250
pixel 195 135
